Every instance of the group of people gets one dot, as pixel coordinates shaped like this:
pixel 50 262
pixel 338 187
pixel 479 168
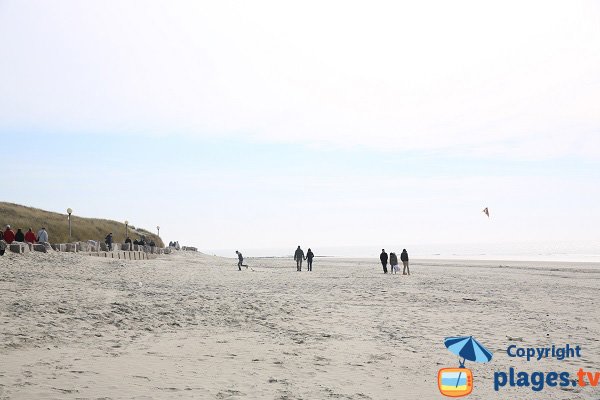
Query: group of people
pixel 108 240
pixel 9 236
pixel 175 245
pixel 142 242
pixel 393 260
pixel 299 257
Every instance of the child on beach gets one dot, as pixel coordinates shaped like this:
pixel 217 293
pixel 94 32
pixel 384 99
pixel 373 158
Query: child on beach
pixel 394 262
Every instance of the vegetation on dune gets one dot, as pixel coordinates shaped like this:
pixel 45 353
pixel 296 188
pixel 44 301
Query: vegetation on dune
pixel 57 225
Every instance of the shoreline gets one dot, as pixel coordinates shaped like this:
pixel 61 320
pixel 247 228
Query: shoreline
pixel 559 258
pixel 368 260
pixel 440 261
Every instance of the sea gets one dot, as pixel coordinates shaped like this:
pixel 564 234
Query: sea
pixel 575 251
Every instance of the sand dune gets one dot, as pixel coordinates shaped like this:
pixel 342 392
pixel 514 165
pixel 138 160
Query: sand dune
pixel 189 325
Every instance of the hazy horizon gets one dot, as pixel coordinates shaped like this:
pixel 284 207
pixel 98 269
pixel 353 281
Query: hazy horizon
pixel 586 251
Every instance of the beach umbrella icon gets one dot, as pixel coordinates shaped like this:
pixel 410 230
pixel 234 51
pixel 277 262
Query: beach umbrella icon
pixel 469 349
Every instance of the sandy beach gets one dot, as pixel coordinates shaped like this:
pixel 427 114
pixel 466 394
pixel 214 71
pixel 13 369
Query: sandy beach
pixel 189 325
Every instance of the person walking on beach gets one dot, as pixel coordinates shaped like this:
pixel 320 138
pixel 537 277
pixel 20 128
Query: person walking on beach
pixel 309 259
pixel 299 256
pixel 240 260
pixel 404 258
pixel 19 236
pixel 30 236
pixel 393 263
pixel 9 235
pixel 42 235
pixel 108 240
pixel 384 259
pixel 2 243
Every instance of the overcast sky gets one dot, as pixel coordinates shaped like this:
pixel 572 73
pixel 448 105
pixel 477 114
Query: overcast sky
pixel 271 124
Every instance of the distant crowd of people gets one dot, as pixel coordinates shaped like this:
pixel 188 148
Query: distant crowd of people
pixel 9 236
pixel 108 240
pixel 299 257
pixel 393 260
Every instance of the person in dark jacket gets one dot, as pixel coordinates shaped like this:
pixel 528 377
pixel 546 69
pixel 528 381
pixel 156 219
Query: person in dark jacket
pixel 309 259
pixel 393 262
pixel 384 258
pixel 109 240
pixel 9 235
pixel 298 257
pixel 19 236
pixel 404 258
pixel 30 236
pixel 240 260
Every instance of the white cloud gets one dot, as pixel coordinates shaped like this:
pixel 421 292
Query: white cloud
pixel 509 78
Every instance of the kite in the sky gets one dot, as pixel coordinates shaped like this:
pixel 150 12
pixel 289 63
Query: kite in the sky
pixel 486 212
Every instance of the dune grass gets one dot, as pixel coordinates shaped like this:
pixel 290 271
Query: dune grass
pixel 57 225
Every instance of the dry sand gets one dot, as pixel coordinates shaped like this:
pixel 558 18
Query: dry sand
pixel 189 325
